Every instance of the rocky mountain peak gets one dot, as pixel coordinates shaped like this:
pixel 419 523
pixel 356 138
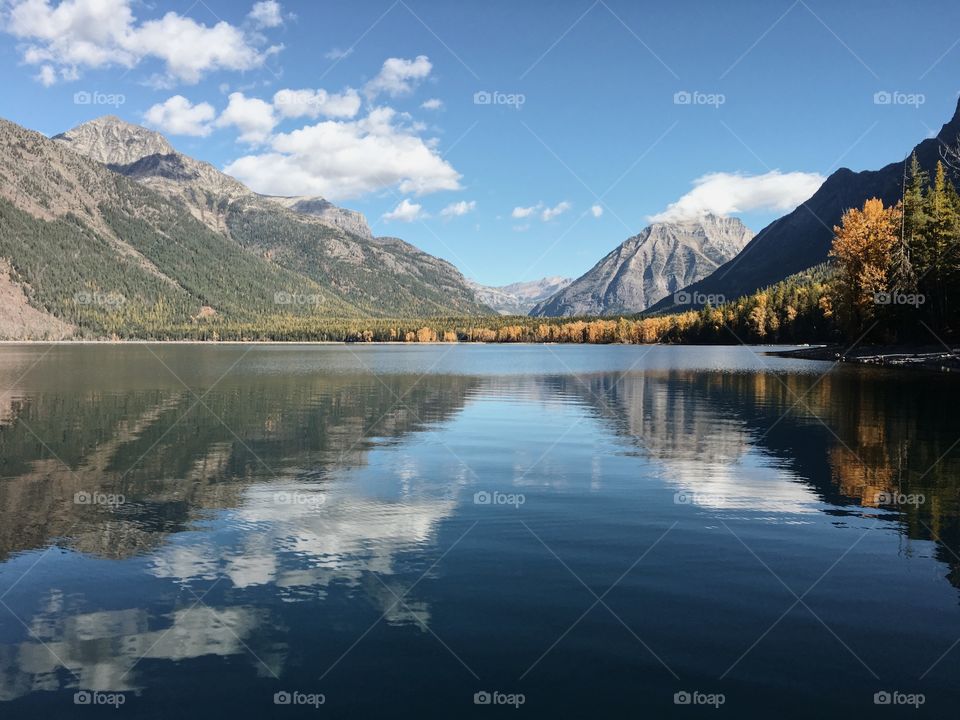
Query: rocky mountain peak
pixel 113 141
pixel 650 266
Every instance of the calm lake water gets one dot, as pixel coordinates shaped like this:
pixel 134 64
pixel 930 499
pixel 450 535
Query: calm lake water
pixel 407 531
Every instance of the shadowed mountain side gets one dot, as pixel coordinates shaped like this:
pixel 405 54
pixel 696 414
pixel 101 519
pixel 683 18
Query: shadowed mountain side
pixel 802 239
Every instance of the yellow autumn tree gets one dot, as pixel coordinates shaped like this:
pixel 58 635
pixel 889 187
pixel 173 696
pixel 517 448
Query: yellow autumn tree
pixel 862 248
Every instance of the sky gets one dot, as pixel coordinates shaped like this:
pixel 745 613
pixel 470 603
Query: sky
pixel 515 139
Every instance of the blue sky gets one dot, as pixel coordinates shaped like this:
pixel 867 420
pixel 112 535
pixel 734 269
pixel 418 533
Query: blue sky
pixel 606 113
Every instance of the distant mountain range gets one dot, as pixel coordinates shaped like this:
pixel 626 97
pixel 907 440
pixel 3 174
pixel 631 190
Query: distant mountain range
pixel 107 227
pixel 650 266
pixel 802 239
pixel 111 210
pixel 518 298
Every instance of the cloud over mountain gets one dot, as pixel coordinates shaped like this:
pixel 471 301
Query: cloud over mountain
pixel 723 194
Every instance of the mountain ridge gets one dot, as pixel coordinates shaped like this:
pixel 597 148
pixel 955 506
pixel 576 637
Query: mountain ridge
pixel 519 298
pixel 659 260
pixel 332 246
pixel 802 238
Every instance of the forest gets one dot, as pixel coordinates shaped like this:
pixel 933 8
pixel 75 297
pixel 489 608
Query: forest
pixel 889 279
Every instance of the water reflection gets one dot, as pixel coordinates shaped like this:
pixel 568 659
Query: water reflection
pixel 303 487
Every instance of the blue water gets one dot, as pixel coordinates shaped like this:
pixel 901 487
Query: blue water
pixel 409 531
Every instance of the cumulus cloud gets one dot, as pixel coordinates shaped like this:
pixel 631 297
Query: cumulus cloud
pixel 315 103
pixel 345 159
pixel 398 76
pixel 549 214
pixel 78 34
pixel 47 75
pixel 253 118
pixel 432 104
pixel 459 208
pixel 522 212
pixel 723 193
pixel 405 211
pixel 266 14
pixel 596 210
pixel 179 116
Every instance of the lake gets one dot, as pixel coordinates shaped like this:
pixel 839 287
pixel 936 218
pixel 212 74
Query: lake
pixel 446 531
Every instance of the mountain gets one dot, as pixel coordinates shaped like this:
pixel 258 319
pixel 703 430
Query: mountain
pixel 349 220
pixel 331 246
pixel 170 241
pixel 802 239
pixel 518 298
pixel 661 259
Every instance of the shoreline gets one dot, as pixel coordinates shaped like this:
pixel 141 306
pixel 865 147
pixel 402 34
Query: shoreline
pixel 912 357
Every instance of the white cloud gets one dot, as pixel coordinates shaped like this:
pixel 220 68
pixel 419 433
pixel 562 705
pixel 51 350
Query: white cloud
pixel 522 212
pixel 338 54
pixel 398 76
pixel 253 117
pixel 314 103
pixel 47 76
pixel 596 210
pixel 432 104
pixel 343 159
pixel 178 116
pixel 405 211
pixel 458 209
pixel 549 214
pixel 723 193
pixel 78 34
pixel 266 14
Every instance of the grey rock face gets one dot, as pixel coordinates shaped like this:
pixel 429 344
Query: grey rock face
pixel 648 267
pixel 518 298
pixel 349 220
pixel 112 141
